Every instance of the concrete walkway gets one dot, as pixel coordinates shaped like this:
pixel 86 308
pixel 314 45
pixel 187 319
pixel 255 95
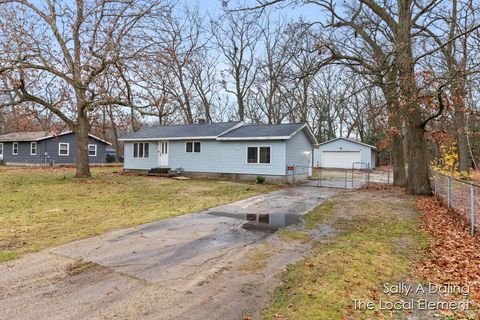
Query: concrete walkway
pixel 103 276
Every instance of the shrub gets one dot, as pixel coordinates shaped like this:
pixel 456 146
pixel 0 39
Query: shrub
pixel 260 179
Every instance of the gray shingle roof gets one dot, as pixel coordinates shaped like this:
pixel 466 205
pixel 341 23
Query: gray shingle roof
pixel 220 131
pixel 38 136
pixel 204 130
pixel 24 136
pixel 264 130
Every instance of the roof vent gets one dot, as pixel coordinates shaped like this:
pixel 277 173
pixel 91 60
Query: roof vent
pixel 201 121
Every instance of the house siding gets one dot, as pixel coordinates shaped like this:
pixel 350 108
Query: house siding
pixel 366 152
pixel 50 147
pixel 131 163
pixel 299 153
pixel 227 157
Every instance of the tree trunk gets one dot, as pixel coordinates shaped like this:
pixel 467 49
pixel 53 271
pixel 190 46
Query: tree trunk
pixel 464 159
pixel 395 122
pixel 81 132
pixel 241 108
pixel 399 174
pixel 115 133
pixel 418 182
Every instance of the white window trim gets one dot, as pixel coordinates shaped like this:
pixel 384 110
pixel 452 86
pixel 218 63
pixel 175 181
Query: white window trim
pixel 138 150
pixel 1 148
pixel 193 146
pixel 258 155
pixel 13 148
pixel 92 145
pixel 68 149
pixel 31 148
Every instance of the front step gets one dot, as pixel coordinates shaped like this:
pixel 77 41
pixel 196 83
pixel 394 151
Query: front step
pixel 160 170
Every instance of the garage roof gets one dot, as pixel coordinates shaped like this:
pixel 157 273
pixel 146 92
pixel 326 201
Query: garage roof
pixel 349 140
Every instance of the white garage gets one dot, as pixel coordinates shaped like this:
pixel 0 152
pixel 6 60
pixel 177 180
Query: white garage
pixel 340 159
pixel 344 153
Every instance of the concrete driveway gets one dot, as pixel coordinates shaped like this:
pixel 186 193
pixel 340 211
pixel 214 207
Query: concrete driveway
pixel 150 270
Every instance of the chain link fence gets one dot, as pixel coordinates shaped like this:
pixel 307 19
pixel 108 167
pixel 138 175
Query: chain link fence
pixel 337 178
pixel 461 196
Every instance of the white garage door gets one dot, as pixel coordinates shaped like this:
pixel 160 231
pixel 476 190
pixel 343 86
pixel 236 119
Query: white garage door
pixel 340 159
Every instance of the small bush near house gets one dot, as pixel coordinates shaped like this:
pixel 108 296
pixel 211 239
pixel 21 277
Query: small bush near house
pixel 260 179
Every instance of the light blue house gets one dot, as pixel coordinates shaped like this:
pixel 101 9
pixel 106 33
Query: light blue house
pixel 223 150
pixel 344 153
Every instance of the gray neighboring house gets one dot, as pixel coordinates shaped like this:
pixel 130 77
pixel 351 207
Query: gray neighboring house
pixel 343 153
pixel 223 150
pixel 42 148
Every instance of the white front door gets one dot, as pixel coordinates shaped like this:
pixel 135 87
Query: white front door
pixel 163 153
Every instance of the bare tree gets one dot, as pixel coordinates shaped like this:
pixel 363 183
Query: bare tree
pixel 449 32
pixel 69 46
pixel 236 35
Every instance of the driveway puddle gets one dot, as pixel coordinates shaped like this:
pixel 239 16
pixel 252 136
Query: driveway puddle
pixel 262 221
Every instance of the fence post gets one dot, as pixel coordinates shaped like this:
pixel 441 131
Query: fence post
pixel 346 177
pixel 472 209
pixel 294 180
pixel 352 174
pixel 449 191
pixel 388 177
pixel 435 183
pixel 319 182
pixel 368 176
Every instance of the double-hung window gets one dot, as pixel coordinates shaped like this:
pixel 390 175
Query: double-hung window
pixel 33 148
pixel 92 150
pixel 15 148
pixel 141 149
pixel 259 155
pixel 63 149
pixel 193 146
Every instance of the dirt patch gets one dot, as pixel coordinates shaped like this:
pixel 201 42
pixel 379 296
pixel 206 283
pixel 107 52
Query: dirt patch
pixel 79 267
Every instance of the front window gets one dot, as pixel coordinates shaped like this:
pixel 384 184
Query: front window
pixel 193 146
pixel 92 150
pixel 264 155
pixel 15 148
pixel 63 149
pixel 1 149
pixel 259 155
pixel 33 148
pixel 252 155
pixel 141 149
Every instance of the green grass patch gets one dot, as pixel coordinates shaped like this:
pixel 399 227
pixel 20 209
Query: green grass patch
pixel 7 255
pixel 48 207
pixel 373 246
pixel 294 235
pixel 319 215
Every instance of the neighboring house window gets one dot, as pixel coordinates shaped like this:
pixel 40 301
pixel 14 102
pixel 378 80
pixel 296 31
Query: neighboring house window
pixel 141 149
pixel 258 155
pixel 33 148
pixel 193 146
pixel 1 149
pixel 63 149
pixel 15 148
pixel 92 150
